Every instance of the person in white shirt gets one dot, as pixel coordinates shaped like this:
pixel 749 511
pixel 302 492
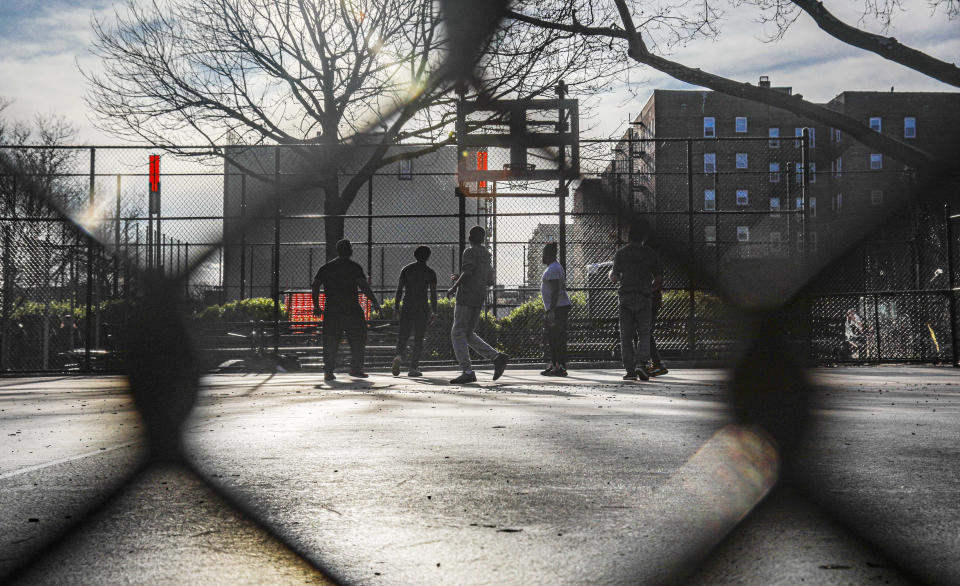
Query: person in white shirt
pixel 556 303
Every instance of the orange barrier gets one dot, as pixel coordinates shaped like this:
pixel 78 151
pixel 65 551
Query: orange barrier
pixel 300 306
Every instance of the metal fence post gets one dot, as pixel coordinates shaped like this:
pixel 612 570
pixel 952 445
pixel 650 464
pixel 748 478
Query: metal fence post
pixel 276 251
pixel 462 216
pixel 370 229
pixel 243 234
pixel 116 244
pixel 691 291
pixel 562 188
pixel 805 195
pixel 88 321
pixel 951 294
pixel 7 298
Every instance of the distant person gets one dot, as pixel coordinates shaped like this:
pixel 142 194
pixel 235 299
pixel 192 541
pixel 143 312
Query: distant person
pixel 341 278
pixel 470 287
pixel 556 305
pixel 655 367
pixel 416 280
pixel 854 334
pixel 635 268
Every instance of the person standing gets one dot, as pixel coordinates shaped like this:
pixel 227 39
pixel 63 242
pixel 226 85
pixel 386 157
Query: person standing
pixel 635 268
pixel 341 278
pixel 416 279
pixel 655 367
pixel 470 287
pixel 556 305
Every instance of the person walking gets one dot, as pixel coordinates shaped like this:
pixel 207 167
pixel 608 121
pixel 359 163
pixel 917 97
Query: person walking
pixel 470 287
pixel 635 268
pixel 341 278
pixel 416 280
pixel 556 306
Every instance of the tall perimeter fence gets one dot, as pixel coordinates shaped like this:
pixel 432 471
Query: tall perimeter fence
pixel 745 207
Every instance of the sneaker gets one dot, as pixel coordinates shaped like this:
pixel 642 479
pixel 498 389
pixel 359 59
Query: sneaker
pixel 560 371
pixel 499 365
pixel 642 374
pixel 358 374
pixel 548 372
pixel 657 370
pixel 395 369
pixel 467 377
pixel 414 373
pixel 329 376
pixel 630 376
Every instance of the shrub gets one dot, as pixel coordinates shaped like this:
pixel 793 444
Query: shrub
pixel 255 308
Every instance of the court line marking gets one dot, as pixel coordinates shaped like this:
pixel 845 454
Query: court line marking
pixel 66 459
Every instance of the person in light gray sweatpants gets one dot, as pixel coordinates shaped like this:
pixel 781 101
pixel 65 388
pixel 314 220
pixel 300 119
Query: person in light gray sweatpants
pixel 470 287
pixel 464 336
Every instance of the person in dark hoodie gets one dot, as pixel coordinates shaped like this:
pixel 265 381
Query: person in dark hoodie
pixel 341 278
pixel 417 281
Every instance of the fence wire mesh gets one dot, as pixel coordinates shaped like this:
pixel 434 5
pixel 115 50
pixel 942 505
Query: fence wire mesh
pixel 82 254
pixel 735 206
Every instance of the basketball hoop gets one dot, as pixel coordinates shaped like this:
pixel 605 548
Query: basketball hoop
pixel 518 174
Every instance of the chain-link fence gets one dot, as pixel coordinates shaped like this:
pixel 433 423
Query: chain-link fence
pixel 740 207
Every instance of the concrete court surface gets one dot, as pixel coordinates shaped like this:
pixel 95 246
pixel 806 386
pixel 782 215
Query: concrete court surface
pixel 526 480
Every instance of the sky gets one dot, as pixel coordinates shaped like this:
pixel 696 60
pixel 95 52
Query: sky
pixel 44 43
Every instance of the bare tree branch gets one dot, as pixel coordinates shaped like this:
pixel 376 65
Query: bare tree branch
pixel 638 51
pixel 886 47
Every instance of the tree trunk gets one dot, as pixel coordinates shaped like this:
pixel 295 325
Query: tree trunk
pixel 333 208
pixel 333 232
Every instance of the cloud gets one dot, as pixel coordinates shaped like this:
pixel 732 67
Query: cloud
pixel 39 66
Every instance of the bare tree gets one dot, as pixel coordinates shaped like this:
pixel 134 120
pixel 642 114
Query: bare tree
pixel 314 72
pixel 35 184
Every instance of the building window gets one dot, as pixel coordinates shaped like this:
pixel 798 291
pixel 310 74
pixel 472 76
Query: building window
pixel 405 172
pixel 741 160
pixel 909 127
pixel 838 203
pixel 838 168
pixel 813 172
pixel 774 204
pixel 799 203
pixel 876 124
pixel 741 123
pixel 798 132
pixel 813 136
pixel 876 197
pixel 876 161
pixel 742 197
pixel 813 207
pixel 774 138
pixel 709 162
pixel 799 170
pixel 836 135
pixel 709 127
pixel 709 200
pixel 710 235
pixel 776 238
pixel 774 172
pixel 743 233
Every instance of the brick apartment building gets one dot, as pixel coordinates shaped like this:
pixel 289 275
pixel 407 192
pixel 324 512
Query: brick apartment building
pixel 745 160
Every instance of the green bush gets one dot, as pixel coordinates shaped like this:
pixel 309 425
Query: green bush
pixel 255 308
pixel 521 332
